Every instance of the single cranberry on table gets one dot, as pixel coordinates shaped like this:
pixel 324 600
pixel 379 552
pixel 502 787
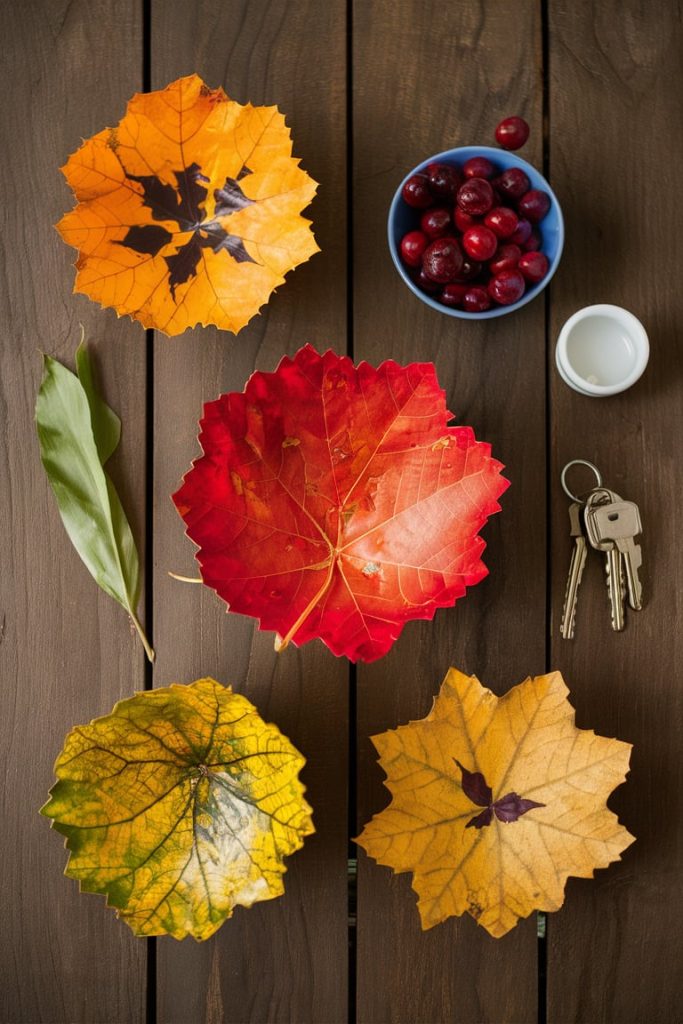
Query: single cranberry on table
pixel 463 220
pixel 522 231
pixel 534 266
pixel 478 167
pixel 506 287
pixel 512 132
pixel 506 258
pixel 412 247
pixel 442 260
pixel 425 283
pixel 479 242
pixel 512 183
pixel 436 222
pixel 476 300
pixel 452 295
pixel 502 221
pixel 533 242
pixel 416 192
pixel 444 180
pixel 475 196
pixel 534 205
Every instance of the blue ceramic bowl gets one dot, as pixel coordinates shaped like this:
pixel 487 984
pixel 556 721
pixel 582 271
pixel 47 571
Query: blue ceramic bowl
pixel 403 218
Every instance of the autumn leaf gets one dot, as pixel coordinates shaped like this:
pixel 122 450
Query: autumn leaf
pixel 334 501
pixel 189 211
pixel 179 806
pixel 77 433
pixel 543 784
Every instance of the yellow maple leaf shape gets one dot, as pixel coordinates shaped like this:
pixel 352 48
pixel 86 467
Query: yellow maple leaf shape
pixel 525 744
pixel 178 806
pixel 189 211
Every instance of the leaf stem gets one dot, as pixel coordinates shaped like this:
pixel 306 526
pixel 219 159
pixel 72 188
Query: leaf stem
pixel 282 642
pixel 185 579
pixel 141 633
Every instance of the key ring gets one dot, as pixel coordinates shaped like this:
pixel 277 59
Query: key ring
pixel 578 462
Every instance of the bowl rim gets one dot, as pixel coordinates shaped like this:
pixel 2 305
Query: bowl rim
pixel 637 333
pixel 462 152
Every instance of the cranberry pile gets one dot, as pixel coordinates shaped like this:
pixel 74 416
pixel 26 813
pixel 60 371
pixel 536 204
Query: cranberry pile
pixel 477 242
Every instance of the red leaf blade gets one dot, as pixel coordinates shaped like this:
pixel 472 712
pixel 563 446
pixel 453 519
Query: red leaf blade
pixel 334 501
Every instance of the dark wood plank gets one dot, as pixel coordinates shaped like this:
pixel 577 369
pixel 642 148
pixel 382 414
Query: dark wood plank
pixel 284 960
pixel 67 650
pixel 615 109
pixel 430 76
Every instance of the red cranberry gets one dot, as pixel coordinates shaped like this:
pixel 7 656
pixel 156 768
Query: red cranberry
pixel 425 283
pixel 470 270
pixel 436 222
pixel 412 247
pixel 522 233
pixel 444 180
pixel 512 183
pixel 463 220
pixel 476 300
pixel 534 205
pixel 416 192
pixel 475 196
pixel 452 295
pixel 442 260
pixel 478 167
pixel 506 287
pixel 533 242
pixel 512 133
pixel 534 266
pixel 479 242
pixel 506 258
pixel 502 221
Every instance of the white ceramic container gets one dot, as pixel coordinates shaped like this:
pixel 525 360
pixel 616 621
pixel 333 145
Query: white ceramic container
pixel 602 350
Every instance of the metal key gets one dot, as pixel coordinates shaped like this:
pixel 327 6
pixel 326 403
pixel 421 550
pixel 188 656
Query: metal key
pixel 576 567
pixel 613 556
pixel 619 521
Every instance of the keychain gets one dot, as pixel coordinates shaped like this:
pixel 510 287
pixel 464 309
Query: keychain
pixel 609 525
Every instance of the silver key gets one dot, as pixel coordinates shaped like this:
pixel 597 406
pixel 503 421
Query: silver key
pixel 614 568
pixel 576 567
pixel 619 521
pixel 613 556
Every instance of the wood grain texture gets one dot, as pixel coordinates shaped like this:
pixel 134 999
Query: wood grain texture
pixel 425 76
pixel 428 77
pixel 67 652
pixel 285 960
pixel 615 115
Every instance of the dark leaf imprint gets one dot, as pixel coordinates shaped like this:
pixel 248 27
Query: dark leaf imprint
pixel 183 204
pixel 507 809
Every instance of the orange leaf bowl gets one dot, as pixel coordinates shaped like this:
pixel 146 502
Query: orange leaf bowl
pixel 188 212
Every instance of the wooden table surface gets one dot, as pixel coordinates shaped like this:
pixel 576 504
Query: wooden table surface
pixel 369 91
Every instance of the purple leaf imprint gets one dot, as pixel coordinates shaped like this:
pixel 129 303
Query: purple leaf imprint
pixel 509 808
pixel 512 806
pixel 474 786
pixel 479 820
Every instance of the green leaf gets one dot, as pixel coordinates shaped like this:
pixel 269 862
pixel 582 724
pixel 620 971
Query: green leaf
pixel 77 432
pixel 179 806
